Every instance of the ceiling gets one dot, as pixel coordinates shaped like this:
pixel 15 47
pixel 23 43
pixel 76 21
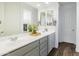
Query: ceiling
pixel 40 4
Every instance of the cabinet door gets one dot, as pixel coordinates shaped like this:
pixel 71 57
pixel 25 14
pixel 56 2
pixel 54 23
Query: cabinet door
pixel 43 46
pixel 34 52
pixel 44 52
pixel 51 42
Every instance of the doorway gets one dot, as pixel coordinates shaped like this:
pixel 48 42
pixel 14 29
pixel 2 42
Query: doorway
pixel 67 22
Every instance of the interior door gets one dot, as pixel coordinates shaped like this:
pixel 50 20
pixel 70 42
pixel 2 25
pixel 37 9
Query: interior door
pixel 67 16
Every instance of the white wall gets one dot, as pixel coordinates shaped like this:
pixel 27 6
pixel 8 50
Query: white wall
pixel 77 29
pixel 12 17
pixel 1 17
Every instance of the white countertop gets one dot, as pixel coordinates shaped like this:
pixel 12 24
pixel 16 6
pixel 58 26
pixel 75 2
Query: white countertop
pixel 7 45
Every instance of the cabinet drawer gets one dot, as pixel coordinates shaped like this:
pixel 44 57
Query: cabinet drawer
pixel 43 52
pixel 42 40
pixel 23 50
pixel 51 42
pixel 43 45
pixel 34 52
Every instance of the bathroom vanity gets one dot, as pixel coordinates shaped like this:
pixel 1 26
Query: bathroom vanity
pixel 26 45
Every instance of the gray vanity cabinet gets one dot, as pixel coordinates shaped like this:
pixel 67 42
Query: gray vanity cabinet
pixel 44 46
pixel 26 50
pixel 40 47
pixel 41 50
pixel 51 42
pixel 34 52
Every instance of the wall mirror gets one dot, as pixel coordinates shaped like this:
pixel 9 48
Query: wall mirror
pixel 47 18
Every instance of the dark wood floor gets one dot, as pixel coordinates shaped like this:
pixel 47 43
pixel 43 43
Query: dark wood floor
pixel 64 49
